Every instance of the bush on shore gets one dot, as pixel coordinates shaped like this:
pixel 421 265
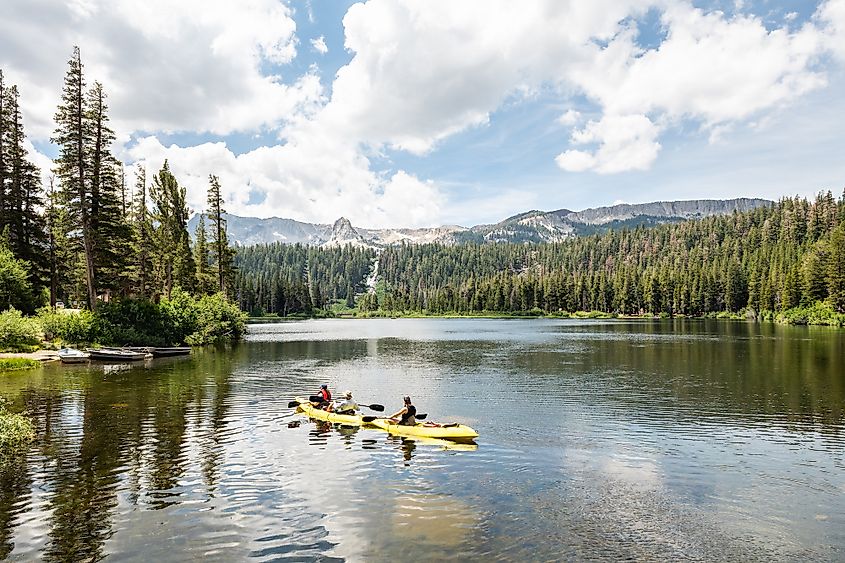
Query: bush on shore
pixel 17 332
pixel 182 319
pixel 819 313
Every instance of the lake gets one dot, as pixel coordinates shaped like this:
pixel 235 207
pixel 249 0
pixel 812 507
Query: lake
pixel 599 439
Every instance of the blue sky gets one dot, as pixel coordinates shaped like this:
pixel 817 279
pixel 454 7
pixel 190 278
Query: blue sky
pixel 428 112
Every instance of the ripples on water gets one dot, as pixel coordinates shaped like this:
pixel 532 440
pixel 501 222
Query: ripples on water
pixel 599 440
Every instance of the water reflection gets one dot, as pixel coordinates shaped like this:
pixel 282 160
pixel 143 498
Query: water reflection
pixel 600 440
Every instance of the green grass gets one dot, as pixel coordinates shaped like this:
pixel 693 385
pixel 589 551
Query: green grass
pixel 15 364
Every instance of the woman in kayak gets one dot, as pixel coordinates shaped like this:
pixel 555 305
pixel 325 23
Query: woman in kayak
pixel 408 414
pixel 325 397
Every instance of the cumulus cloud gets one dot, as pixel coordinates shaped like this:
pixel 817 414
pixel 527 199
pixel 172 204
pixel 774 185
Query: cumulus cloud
pixel 626 142
pixel 423 71
pixel 420 71
pixel 831 16
pixel 312 178
pixel 193 65
pixel 570 117
pixel 319 45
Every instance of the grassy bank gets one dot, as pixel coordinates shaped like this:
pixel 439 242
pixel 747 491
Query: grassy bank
pixel 17 364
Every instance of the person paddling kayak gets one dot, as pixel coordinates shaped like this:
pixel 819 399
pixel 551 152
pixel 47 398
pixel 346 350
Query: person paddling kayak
pixel 345 405
pixel 325 397
pixel 408 413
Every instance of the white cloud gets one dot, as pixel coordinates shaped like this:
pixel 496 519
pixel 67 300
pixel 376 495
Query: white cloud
pixel 626 142
pixel 570 117
pixel 319 45
pixel 831 16
pixel 192 65
pixel 421 71
pixel 312 178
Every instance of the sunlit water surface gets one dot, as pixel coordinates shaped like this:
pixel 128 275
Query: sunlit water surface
pixel 654 440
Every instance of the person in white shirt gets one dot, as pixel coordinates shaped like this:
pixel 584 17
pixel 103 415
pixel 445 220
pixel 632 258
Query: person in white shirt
pixel 346 405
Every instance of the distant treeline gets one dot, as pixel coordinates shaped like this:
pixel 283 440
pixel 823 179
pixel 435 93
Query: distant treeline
pixel 288 279
pixel 768 260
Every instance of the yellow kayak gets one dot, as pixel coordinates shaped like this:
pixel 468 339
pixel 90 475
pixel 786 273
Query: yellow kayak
pixel 310 411
pixel 454 431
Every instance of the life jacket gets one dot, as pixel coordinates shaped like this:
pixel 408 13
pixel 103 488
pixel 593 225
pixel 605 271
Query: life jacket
pixel 326 394
pixel 409 417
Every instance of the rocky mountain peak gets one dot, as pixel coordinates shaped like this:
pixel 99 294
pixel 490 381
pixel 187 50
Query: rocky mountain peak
pixel 344 233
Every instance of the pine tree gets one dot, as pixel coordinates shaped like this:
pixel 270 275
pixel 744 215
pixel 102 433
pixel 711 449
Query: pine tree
pixel 836 269
pixel 111 231
pixel 222 254
pixel 205 279
pixel 72 167
pixel 174 261
pixel 142 235
pixel 27 236
pixel 4 128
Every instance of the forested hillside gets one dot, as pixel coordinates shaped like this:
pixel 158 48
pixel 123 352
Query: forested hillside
pixel 767 260
pixel 284 279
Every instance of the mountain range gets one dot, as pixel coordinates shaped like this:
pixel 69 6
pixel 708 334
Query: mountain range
pixel 531 226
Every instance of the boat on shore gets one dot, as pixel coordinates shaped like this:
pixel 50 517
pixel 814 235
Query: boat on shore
pixel 115 355
pixel 72 356
pixel 163 351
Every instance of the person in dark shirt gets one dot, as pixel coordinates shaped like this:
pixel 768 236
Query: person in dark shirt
pixel 407 413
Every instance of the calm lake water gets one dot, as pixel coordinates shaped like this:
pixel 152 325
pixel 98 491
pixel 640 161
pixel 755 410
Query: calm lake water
pixel 654 440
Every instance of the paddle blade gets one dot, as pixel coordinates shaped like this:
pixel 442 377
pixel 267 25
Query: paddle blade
pixel 368 418
pixel 422 416
pixel 376 407
pixel 315 399
pixel 293 404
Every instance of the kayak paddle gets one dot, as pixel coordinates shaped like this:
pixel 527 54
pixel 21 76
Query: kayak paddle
pixel 421 416
pixel 317 398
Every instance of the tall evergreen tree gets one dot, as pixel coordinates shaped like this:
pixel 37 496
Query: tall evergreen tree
pixel 72 168
pixel 143 236
pixel 222 254
pixel 27 235
pixel 174 260
pixel 836 269
pixel 206 281
pixel 111 231
pixel 4 128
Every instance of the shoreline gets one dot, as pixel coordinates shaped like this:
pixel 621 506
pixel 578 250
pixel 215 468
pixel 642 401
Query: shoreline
pixel 42 355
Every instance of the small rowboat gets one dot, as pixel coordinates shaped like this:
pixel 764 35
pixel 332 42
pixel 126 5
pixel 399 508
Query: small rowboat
pixel 115 355
pixel 163 351
pixel 72 356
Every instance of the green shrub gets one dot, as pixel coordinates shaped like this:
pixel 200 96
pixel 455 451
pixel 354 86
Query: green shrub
pixel 819 313
pixel 16 431
pixel 15 288
pixel 18 333
pixel 16 364
pixel 216 319
pixel 134 322
pixel 69 327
